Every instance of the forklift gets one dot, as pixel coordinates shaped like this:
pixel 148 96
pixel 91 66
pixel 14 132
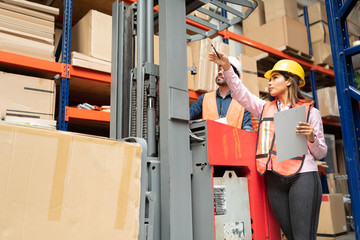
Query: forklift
pixel 199 179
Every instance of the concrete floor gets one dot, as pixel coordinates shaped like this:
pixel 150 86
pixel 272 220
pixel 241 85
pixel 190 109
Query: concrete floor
pixel 348 236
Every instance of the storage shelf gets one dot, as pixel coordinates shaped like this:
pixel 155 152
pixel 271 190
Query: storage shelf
pixel 21 61
pixel 85 114
pixel 87 74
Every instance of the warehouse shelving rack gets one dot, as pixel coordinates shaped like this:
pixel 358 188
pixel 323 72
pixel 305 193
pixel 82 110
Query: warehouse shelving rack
pixel 348 96
pixel 66 70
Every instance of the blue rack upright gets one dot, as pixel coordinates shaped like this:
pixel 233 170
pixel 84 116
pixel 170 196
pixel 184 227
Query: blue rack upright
pixel 348 96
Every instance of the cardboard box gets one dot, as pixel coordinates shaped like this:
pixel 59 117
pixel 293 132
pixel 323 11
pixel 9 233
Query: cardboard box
pixel 248 73
pixel 206 70
pixel 322 53
pixel 280 33
pixel 263 84
pixel 275 9
pixel 320 33
pixel 60 185
pixel 332 219
pixel 81 60
pixel 330 157
pixel 328 102
pixel 24 96
pixel 26 47
pixel 340 156
pixel 316 13
pixel 255 19
pixel 92 35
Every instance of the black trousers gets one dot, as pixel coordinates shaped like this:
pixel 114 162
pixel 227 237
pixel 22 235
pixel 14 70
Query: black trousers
pixel 296 202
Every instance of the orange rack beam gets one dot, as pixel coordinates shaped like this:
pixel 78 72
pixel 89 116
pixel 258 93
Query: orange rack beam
pixel 52 67
pixel 85 114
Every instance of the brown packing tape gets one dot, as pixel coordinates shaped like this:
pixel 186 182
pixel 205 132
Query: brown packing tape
pixel 124 189
pixel 57 190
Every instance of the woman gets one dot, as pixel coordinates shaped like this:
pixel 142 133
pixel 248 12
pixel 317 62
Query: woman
pixel 294 186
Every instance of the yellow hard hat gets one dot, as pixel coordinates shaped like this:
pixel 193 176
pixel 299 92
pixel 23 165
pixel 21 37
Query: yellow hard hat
pixel 286 65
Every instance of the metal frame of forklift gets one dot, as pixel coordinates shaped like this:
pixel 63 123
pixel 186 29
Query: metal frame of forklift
pixel 143 107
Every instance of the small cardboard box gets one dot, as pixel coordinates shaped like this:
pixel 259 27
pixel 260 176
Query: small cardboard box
pixel 320 33
pixel 332 219
pixel 275 9
pixel 284 32
pixel 92 35
pixel 328 102
pixel 25 96
pixel 60 185
pixel 316 13
pixel 255 19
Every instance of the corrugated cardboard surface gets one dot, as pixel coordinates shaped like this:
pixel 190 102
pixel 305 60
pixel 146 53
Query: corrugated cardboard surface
pixel 320 33
pixel 330 157
pixel 322 53
pixel 206 70
pixel 58 185
pixel 275 9
pixel 328 103
pixel 263 84
pixel 255 19
pixel 25 96
pixel 281 32
pixel 81 60
pixel 248 73
pixel 316 13
pixel 332 215
pixel 19 45
pixel 92 35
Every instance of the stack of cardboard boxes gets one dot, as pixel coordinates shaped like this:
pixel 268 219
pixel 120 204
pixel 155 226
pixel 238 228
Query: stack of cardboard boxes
pixel 319 32
pixel 27 29
pixel 281 29
pixel 91 42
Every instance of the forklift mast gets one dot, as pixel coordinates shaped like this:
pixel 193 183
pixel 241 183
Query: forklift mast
pixel 183 193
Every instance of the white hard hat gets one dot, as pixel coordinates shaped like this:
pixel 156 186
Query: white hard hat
pixel 236 63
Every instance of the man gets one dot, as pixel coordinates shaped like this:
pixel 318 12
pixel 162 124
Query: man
pixel 219 105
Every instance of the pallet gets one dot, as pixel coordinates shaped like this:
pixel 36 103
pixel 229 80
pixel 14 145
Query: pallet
pixel 289 50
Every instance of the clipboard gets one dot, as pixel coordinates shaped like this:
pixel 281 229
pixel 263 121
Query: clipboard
pixel 288 143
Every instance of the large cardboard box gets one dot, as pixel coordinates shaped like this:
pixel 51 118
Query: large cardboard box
pixel 206 71
pixel 322 53
pixel 275 9
pixel 25 96
pixel 248 73
pixel 92 35
pixel 320 33
pixel 316 13
pixel 59 185
pixel 332 219
pixel 255 19
pixel 328 102
pixel 284 32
